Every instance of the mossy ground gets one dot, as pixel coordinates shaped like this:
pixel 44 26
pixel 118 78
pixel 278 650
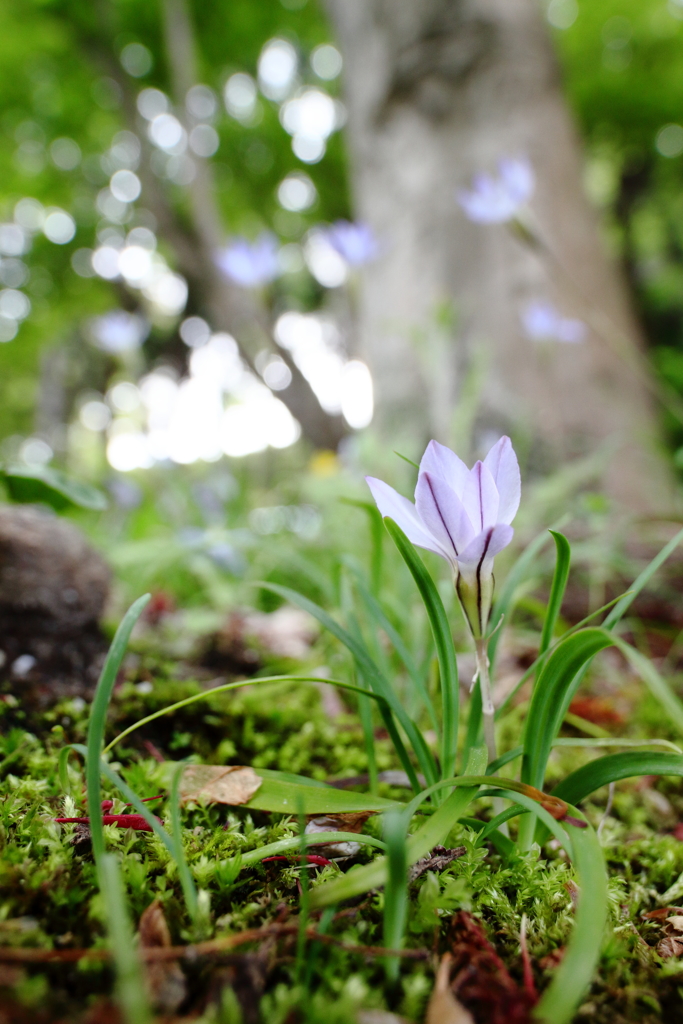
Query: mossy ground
pixel 49 899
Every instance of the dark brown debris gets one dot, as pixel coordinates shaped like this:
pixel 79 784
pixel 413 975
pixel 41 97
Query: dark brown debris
pixel 480 979
pixel 437 860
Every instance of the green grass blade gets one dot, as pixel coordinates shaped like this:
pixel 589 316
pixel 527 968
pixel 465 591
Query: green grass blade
pixel 184 873
pixel 542 657
pixel 443 641
pixel 63 769
pixel 283 797
pixel 552 695
pixel 377 613
pixel 376 539
pixel 655 682
pixel 130 982
pixel 396 889
pixel 616 741
pixel 313 839
pixel 98 717
pixel 613 767
pixel 434 830
pixel 504 602
pixel 370 671
pixel 572 977
pixel 559 585
pixel 365 716
pixel 641 581
pixel 208 694
pixel 505 846
pixel 475 722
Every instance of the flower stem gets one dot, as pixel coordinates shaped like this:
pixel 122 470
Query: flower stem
pixel 486 699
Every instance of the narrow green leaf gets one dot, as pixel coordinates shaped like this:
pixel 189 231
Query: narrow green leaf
pixel 505 846
pixel 504 602
pixel 381 619
pixel 542 657
pixel 641 581
pixel 559 585
pixel 184 873
pixel 396 889
pixel 376 539
pixel 51 487
pixel 617 741
pixel 576 970
pixel 62 769
pixel 406 459
pixel 443 641
pixel 281 796
pixel 313 839
pixel 131 993
pixel 208 694
pixel 434 830
pixel 656 684
pixel 98 717
pixel 613 767
pixel 552 695
pixel 373 675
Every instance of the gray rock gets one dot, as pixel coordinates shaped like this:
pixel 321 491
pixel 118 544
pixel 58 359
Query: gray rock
pixel 48 570
pixel 53 589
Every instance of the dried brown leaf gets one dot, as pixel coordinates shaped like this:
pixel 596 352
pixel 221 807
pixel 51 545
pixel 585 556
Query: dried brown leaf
pixel 443 1007
pixel 218 784
pixel 671 946
pixel 351 821
pixel 166 982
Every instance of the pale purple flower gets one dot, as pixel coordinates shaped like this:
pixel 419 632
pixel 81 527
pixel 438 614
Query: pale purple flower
pixel 355 243
pixel 542 322
pixel 118 331
pixel 462 514
pixel 494 200
pixel 250 264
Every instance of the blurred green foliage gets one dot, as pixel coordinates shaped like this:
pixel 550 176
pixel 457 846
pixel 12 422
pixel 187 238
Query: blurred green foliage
pixel 61 78
pixel 623 65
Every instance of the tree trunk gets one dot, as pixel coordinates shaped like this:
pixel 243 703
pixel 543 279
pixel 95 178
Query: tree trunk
pixel 228 307
pixel 438 90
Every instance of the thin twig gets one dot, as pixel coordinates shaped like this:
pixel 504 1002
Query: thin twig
pixel 12 954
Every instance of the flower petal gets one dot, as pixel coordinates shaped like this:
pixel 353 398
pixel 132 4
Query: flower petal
pixel 403 512
pixel 440 461
pixel 485 546
pixel 504 468
pixel 518 178
pixel 480 497
pixel 442 512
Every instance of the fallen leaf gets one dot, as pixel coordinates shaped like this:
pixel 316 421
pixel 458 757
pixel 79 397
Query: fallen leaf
pixel 661 913
pixel 352 821
pixel 218 784
pixel 443 1007
pixel 165 980
pixel 670 946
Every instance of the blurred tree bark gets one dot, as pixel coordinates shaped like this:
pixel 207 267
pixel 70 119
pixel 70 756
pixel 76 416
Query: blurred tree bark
pixel 227 307
pixel 438 90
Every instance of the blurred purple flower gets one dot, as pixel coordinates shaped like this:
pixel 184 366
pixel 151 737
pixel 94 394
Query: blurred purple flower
pixel 462 514
pixel 118 331
pixel 250 264
pixel 356 243
pixel 495 200
pixel 542 322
